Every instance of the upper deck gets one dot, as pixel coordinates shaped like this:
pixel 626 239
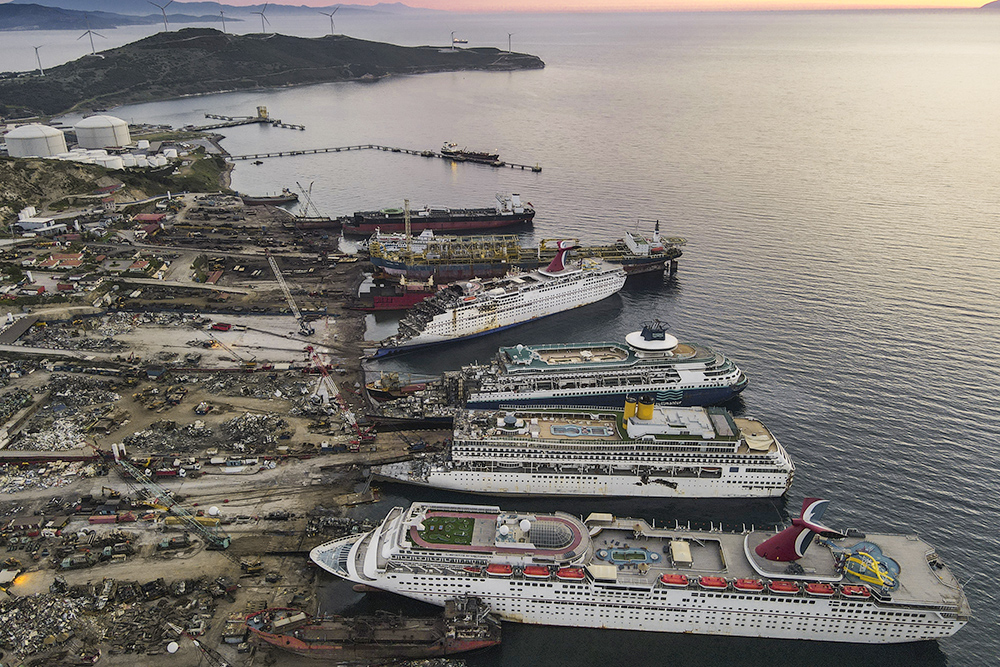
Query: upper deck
pixel 593 356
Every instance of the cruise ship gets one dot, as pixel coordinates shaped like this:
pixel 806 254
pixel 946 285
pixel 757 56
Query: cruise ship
pixel 642 450
pixel 476 308
pixel 651 361
pixel 623 573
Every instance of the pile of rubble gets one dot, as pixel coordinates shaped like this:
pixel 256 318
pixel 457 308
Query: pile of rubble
pixel 14 478
pixel 57 435
pixel 77 391
pixel 251 429
pixel 13 370
pixel 37 622
pixel 13 401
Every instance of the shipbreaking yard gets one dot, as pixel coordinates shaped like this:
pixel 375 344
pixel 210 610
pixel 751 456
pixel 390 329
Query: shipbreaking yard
pixel 196 371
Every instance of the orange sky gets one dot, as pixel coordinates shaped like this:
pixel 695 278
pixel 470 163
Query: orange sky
pixel 651 5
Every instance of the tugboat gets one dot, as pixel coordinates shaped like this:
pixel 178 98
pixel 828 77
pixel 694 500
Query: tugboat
pixel 465 625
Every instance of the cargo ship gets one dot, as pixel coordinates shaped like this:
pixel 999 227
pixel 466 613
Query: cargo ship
pixel 451 258
pixel 466 625
pixel 507 212
pixel 387 293
pixel 641 450
pixel 807 581
pixel 286 197
pixel 451 149
pixel 477 308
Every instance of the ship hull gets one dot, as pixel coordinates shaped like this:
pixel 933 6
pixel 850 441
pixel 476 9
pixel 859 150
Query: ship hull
pixel 611 398
pixel 484 219
pixel 575 482
pixel 447 273
pixel 365 652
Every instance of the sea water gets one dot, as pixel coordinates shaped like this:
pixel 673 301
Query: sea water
pixel 835 176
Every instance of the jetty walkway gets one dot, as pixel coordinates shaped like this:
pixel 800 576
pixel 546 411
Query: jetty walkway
pixel 377 147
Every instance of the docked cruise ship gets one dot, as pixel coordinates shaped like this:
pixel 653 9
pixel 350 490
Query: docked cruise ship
pixel 476 308
pixel 606 572
pixel 641 450
pixel 650 361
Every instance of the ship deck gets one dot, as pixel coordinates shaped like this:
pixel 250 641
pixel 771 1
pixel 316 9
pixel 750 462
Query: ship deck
pixel 726 555
pixel 582 356
pixel 469 532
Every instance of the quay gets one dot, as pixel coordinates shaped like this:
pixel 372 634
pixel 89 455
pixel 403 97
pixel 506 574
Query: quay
pixel 377 147
pixel 234 121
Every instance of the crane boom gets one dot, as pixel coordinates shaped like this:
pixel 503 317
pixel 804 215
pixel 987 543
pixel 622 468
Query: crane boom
pixel 304 327
pixel 215 537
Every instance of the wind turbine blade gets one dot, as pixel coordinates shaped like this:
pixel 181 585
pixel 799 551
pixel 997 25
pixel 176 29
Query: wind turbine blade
pixel 168 4
pixel 82 36
pixel 265 19
pixel 334 10
pixel 154 4
pixel 261 11
pixel 96 33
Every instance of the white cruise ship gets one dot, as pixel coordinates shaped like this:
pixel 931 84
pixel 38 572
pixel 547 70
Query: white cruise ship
pixel 476 308
pixel 647 450
pixel 554 569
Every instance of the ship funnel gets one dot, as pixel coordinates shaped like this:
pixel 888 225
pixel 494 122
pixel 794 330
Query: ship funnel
pixel 629 408
pixel 645 409
pixel 558 262
pixel 656 233
pixel 791 543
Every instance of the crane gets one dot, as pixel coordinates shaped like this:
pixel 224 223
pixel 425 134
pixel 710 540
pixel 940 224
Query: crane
pixel 304 327
pixel 329 388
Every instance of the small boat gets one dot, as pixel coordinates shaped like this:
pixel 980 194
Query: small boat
pixel 820 590
pixel 570 574
pixel 713 583
pixel 783 587
pixel 536 572
pixel 473 569
pixel 499 570
pixel 286 197
pixel 674 580
pixel 748 585
pixel 855 591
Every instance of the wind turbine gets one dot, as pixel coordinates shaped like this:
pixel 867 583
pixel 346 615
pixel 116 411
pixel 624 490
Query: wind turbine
pixel 90 32
pixel 39 59
pixel 163 10
pixel 330 14
pixel 508 41
pixel 262 18
pixel 222 13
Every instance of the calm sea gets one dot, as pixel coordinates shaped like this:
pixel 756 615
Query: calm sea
pixel 836 177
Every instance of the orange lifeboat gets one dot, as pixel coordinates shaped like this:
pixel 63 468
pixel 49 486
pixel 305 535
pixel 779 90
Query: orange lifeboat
pixel 713 583
pixel 570 574
pixel 783 587
pixel 674 580
pixel 499 570
pixel 748 585
pixel 820 590
pixel 536 572
pixel 855 591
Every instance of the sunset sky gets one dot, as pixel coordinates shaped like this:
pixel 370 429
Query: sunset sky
pixel 650 5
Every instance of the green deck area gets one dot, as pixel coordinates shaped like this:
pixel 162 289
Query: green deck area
pixel 448 530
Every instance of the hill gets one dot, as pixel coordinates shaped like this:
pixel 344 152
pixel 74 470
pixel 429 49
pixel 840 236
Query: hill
pixel 205 60
pixel 17 16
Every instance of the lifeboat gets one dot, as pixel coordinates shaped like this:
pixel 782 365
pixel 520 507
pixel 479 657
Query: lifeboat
pixel 713 583
pixel 536 572
pixel 748 585
pixel 820 590
pixel 783 587
pixel 856 592
pixel 473 569
pixel 570 574
pixel 674 580
pixel 499 570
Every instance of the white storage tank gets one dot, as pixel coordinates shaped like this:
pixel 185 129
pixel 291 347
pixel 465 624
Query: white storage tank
pixel 161 161
pixel 110 162
pixel 35 140
pixel 102 132
pixel 143 145
pixel 170 153
pixel 141 161
pixel 128 160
